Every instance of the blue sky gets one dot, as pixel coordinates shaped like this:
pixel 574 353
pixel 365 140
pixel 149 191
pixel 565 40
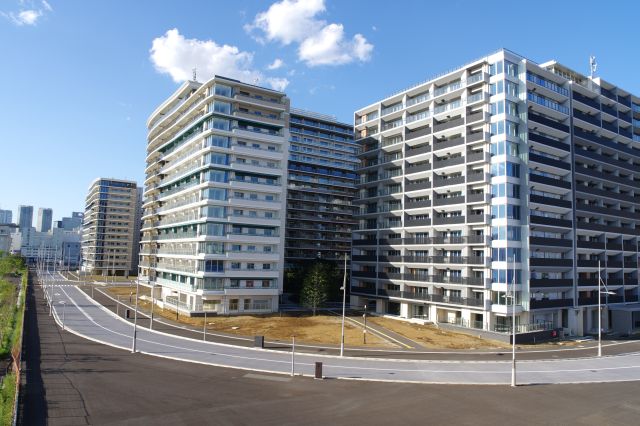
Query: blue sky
pixel 79 78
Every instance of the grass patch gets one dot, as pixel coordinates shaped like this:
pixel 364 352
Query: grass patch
pixel 7 399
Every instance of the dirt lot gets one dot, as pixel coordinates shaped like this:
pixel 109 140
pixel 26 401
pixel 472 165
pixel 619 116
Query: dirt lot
pixel 321 329
pixel 432 337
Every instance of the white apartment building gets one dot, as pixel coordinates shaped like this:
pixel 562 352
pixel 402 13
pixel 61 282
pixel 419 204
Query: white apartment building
pixel 214 201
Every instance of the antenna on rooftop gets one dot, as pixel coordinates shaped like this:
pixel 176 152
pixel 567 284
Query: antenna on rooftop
pixel 593 65
pixel 195 74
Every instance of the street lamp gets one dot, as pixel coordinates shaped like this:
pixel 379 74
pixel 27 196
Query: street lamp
pixel 135 318
pixel 600 292
pixel 62 302
pixel 364 332
pixel 344 302
pixel 153 288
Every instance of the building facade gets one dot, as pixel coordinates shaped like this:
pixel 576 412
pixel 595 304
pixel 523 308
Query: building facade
pixel 214 202
pixel 321 186
pixel 500 189
pixel 73 222
pixel 25 217
pixel 109 237
pixel 6 216
pixel 45 220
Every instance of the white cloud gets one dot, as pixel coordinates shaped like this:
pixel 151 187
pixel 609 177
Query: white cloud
pixel 25 17
pixel 289 20
pixel 176 55
pixel 319 43
pixel 277 63
pixel 329 47
pixel 29 13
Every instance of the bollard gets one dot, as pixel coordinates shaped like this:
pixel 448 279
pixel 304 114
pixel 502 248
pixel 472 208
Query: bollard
pixel 258 342
pixel 127 313
pixel 318 374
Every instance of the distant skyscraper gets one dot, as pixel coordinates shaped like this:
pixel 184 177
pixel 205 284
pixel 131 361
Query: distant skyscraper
pixel 25 216
pixel 45 219
pixel 5 216
pixel 70 223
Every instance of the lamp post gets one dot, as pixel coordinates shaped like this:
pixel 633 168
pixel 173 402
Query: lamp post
pixel 513 325
pixel 135 318
pixel 344 303
pixel 364 332
pixel 204 327
pixel 153 288
pixel 63 310
pixel 606 293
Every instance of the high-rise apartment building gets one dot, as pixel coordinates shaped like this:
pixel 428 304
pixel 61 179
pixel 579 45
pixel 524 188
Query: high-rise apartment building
pixel 45 220
pixel 25 217
pixel 214 202
pixel 321 186
pixel 501 188
pixel 109 239
pixel 6 216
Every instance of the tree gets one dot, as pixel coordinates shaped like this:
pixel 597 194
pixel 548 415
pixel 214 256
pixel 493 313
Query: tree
pixel 315 286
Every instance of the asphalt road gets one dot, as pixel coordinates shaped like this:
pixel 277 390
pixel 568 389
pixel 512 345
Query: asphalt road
pixel 583 349
pixel 82 315
pixel 69 380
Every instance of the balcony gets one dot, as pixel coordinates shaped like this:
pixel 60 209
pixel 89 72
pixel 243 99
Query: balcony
pixel 478 156
pixel 549 142
pixel 424 131
pixel 549 161
pixel 410 204
pixel 448 220
pixel 448 201
pixel 447 144
pixel 548 122
pixel 550 221
pixel 477 136
pixel 478 218
pixel 439 181
pixel 590 245
pixel 417 167
pixel 416 185
pixel 550 283
pixel 447 162
pixel 544 180
pixel 588 263
pixel 594 103
pixel 363 274
pixel 550 303
pixel 544 262
pixel 555 242
pixel 586 117
pixel 478 177
pixel 540 199
pixel 417 222
pixel 424 149
pixel 448 124
pixel 363 290
pixel 435 298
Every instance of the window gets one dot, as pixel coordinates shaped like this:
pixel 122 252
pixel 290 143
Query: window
pixel 496 88
pixel 238 194
pixel 503 211
pixel 213 266
pixel 269 197
pixel 505 254
pixel 504 147
pixel 495 69
pixel 268 215
pixel 236 247
pixel 511 69
pixel 249 284
pixel 509 233
pixel 222 107
pixel 217 176
pixel 508 169
pixel 216 194
pixel 266 283
pixel 510 190
pixel 497 108
pixel 497 128
pixel 251 266
pixel 266 266
pixel 235 265
pixel 512 89
pixel 266 249
pixel 222 90
pixel 512 108
pixel 253 196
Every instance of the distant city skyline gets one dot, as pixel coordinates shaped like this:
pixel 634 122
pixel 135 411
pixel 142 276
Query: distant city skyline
pixel 86 116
